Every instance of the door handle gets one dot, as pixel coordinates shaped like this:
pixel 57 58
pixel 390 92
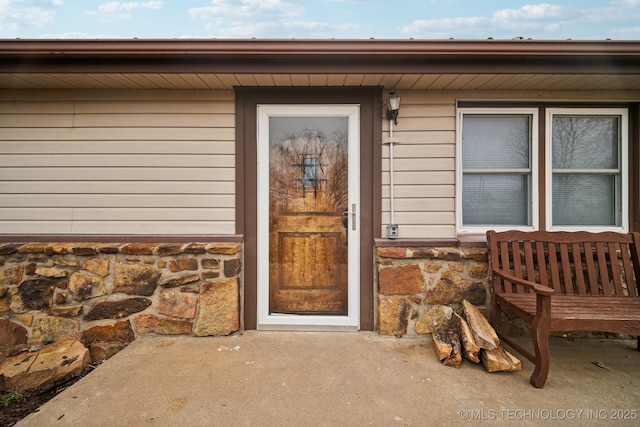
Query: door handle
pixel 345 217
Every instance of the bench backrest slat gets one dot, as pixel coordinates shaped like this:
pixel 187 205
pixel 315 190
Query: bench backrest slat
pixel 517 266
pixel 602 266
pixel 529 261
pixel 634 288
pixel 577 260
pixel 580 263
pixel 567 275
pixel 553 263
pixel 628 269
pixel 504 251
pixel 544 278
pixel 591 269
pixel 615 268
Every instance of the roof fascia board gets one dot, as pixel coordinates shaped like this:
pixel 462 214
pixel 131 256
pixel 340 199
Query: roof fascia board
pixel 319 56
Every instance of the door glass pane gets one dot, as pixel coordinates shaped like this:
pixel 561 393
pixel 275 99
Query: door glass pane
pixel 585 142
pixel 492 142
pixel 495 199
pixel 584 200
pixel 308 194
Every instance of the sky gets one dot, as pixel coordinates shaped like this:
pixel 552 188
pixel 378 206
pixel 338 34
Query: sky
pixel 321 19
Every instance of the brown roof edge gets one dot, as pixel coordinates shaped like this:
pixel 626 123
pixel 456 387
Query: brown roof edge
pixel 316 47
pixel 319 56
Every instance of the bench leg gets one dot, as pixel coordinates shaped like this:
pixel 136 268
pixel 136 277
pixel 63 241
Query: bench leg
pixel 638 338
pixel 540 331
pixel 541 348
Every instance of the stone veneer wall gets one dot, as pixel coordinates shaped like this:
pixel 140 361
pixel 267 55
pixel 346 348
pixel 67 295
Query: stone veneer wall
pixel 412 281
pixel 110 292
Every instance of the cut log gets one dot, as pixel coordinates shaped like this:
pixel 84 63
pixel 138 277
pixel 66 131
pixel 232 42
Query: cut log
pixel 500 360
pixel 470 349
pixel 455 359
pixel 484 335
pixel 442 345
pixel 447 347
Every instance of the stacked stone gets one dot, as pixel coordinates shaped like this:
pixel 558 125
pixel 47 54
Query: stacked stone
pixel 111 293
pixel 416 282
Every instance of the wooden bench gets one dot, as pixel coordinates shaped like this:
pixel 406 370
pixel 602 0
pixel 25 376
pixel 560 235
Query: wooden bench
pixel 564 281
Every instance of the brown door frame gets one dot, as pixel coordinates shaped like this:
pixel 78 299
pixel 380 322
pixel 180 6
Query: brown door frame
pixel 370 100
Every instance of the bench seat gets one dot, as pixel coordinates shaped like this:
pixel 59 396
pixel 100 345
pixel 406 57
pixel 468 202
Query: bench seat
pixel 581 313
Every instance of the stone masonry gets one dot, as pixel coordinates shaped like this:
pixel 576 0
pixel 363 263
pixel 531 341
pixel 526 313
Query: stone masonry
pixel 107 294
pixel 416 283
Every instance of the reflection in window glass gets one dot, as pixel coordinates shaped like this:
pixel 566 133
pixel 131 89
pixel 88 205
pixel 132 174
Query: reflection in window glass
pixel 495 199
pixel 496 163
pixel 492 141
pixel 585 142
pixel 586 170
pixel 583 199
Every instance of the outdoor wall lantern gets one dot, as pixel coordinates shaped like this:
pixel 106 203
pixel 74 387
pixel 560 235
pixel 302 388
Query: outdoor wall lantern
pixel 393 107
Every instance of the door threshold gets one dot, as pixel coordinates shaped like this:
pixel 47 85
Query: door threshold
pixel 292 322
pixel 308 328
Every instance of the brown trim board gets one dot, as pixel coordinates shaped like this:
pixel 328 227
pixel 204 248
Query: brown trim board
pixel 320 56
pixel 370 101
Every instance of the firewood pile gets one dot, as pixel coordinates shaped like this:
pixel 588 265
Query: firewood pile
pixel 473 337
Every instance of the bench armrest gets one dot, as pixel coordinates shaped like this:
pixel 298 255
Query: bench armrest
pixel 536 287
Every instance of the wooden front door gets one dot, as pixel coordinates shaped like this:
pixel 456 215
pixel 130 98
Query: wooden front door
pixel 308 214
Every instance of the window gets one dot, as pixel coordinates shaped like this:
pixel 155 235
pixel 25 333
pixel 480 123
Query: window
pixel 501 163
pixel 587 178
pixel 498 154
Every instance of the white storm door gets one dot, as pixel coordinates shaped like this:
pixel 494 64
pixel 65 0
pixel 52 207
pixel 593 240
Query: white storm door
pixel 308 217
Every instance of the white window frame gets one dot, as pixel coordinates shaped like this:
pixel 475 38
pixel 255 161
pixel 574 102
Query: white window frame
pixel 534 190
pixel 623 164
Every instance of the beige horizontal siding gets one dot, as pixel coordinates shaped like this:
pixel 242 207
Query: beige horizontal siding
pixel 107 214
pixel 424 167
pixel 108 134
pixel 425 154
pixel 423 218
pixel 113 173
pixel 116 147
pixel 147 227
pixel 117 162
pixel 163 162
pixel 189 201
pixel 414 191
pixel 116 187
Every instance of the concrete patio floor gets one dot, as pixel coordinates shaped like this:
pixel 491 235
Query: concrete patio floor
pixel 342 379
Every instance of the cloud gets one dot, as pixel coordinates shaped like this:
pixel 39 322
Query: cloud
pixel 541 21
pixel 264 18
pixel 539 18
pixel 249 10
pixel 291 29
pixel 530 13
pixel 116 6
pixel 80 35
pixel 117 9
pixel 18 14
pixel 444 28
